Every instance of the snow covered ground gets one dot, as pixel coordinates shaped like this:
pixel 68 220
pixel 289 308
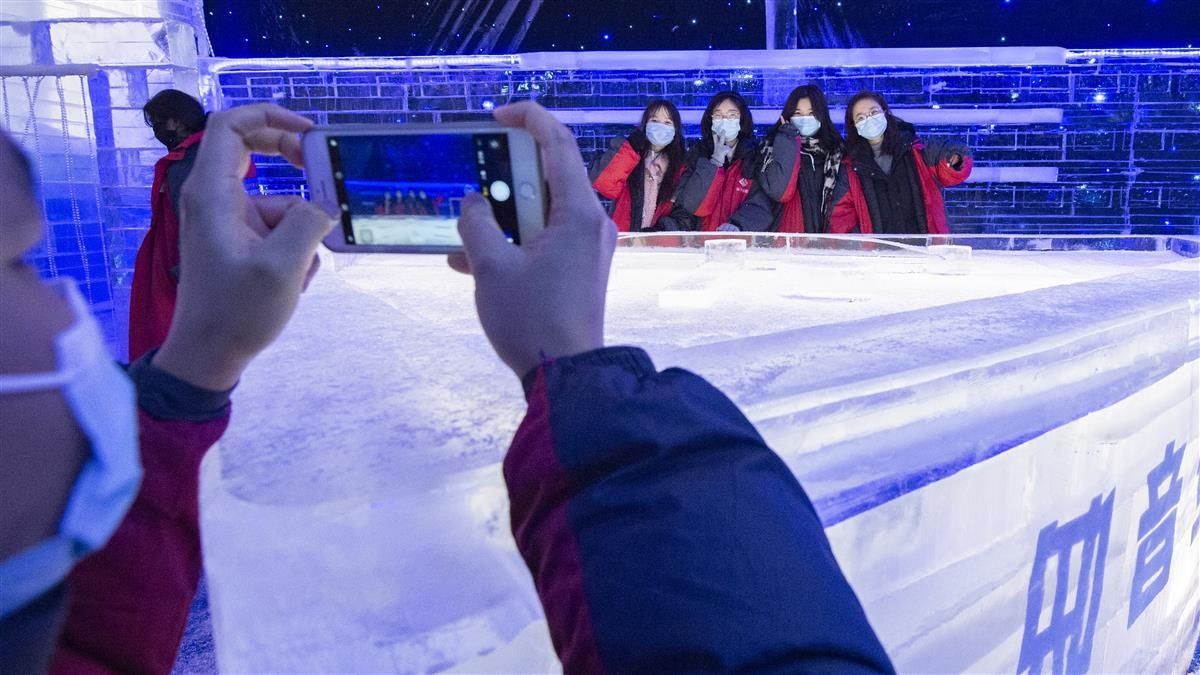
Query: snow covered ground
pixel 354 516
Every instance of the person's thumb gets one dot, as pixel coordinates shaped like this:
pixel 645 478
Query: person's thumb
pixel 483 242
pixel 292 243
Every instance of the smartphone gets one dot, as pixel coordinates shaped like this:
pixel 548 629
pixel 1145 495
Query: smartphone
pixel 399 188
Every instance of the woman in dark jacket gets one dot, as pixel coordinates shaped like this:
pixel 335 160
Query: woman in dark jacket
pixel 639 172
pixel 892 182
pixel 719 174
pixel 800 162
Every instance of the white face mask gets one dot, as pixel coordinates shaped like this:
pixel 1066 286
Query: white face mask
pixel 660 134
pixel 807 125
pixel 103 402
pixel 727 130
pixel 872 127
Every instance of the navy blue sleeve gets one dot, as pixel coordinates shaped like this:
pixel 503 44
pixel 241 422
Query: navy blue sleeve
pixel 665 536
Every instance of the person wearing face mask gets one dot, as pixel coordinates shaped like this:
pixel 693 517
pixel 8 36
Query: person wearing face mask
pixel 99 466
pixel 800 163
pixel 719 174
pixel 639 172
pixel 606 435
pixel 178 121
pixel 893 180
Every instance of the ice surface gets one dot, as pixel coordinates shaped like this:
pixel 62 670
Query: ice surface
pixel 355 518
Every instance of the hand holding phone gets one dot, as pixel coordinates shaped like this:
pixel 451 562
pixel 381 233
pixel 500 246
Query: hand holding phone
pixel 543 300
pixel 400 188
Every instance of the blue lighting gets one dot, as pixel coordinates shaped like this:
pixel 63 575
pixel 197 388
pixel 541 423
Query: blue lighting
pixel 1099 97
pixel 489 105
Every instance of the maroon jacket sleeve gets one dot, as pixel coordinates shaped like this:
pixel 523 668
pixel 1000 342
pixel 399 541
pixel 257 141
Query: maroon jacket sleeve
pixel 130 600
pixel 778 176
pixel 663 535
pixel 844 218
pixel 937 153
pixel 699 185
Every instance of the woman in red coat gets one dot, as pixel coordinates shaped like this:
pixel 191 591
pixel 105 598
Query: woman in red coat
pixel 178 121
pixel 720 173
pixel 801 159
pixel 892 182
pixel 639 172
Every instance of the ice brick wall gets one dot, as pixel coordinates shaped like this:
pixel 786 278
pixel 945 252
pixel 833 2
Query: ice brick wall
pixel 1104 141
pixel 75 75
pixel 50 116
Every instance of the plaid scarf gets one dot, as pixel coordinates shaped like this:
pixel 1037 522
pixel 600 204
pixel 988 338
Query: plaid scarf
pixel 833 162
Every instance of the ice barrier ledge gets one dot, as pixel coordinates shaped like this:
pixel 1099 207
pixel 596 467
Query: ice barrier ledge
pixel 1011 484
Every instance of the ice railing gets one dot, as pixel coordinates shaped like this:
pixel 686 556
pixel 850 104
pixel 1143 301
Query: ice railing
pixel 725 246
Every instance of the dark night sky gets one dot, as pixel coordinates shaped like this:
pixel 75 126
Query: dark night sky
pixel 411 27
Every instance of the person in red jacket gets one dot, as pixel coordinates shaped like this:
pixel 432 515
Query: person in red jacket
pixel 96 460
pixel 178 121
pixel 801 159
pixel 639 172
pixel 720 173
pixel 892 182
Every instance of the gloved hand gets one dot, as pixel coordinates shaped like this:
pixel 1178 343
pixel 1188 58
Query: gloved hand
pixel 721 151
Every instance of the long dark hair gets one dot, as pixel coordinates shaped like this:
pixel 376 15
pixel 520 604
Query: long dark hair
pixel 172 104
pixel 892 141
pixel 674 151
pixel 827 135
pixel 706 133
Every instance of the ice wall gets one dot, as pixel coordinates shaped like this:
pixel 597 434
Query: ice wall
pixel 1065 141
pixel 73 78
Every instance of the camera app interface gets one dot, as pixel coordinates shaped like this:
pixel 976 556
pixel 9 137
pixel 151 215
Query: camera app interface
pixel 407 190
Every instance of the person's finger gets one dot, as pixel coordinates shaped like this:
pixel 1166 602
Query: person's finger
pixel 295 238
pixel 255 220
pixel 214 188
pixel 231 135
pixel 272 207
pixel 483 242
pixel 312 272
pixel 563 164
pixel 459 263
pixel 276 142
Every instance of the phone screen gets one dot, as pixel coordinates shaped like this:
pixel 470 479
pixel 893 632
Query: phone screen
pixel 407 189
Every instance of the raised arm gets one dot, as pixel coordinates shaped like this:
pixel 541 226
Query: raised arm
pixel 663 534
pixel 611 171
pixel 245 262
pixel 951 161
pixel 778 174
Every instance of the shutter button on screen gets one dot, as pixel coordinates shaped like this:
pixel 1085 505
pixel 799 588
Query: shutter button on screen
pixel 527 191
pixel 501 191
